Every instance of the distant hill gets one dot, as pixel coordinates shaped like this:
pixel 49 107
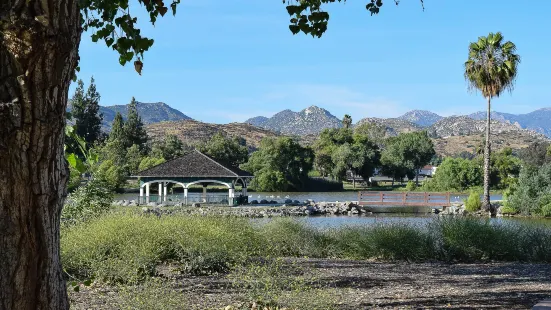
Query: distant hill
pixel 150 112
pixel 311 120
pixel 194 132
pixel 394 126
pixel 421 117
pixel 258 121
pixel 539 120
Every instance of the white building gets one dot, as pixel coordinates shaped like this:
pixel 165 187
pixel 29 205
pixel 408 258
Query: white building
pixel 428 170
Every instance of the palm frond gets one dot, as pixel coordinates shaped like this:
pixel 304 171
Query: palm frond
pixel 492 65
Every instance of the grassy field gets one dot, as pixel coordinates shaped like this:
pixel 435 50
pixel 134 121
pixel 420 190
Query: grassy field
pixel 136 256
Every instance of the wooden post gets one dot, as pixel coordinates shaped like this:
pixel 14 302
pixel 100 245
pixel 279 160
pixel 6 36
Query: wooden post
pixel 426 198
pixel 382 197
pixel 359 197
pixel 448 196
pixel 404 198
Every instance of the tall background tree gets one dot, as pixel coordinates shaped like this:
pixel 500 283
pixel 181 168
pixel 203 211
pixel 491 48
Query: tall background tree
pixel 39 42
pixel 85 112
pixel 134 129
pixel 491 68
pixel 347 121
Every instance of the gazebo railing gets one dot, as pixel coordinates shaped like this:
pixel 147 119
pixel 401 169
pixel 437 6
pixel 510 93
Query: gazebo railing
pixel 191 198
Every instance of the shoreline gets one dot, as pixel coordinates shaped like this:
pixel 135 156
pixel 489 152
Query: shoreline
pixel 305 209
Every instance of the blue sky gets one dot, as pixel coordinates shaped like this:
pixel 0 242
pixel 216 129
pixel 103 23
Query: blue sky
pixel 225 61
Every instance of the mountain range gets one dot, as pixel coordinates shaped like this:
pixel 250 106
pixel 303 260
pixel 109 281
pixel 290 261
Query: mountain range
pixel 300 123
pixel 311 120
pixel 451 135
pixel 153 112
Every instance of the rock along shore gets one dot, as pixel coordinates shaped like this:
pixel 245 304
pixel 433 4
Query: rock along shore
pixel 294 208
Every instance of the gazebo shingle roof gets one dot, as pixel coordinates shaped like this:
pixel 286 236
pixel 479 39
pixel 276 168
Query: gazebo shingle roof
pixel 193 165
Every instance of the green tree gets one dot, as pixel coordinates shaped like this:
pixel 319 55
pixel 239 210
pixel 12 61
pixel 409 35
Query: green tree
pixel 225 149
pixel 491 69
pixel 148 162
pixel 117 129
pixel 39 42
pixel 169 148
pixel 329 140
pixel 505 168
pixel 393 161
pixel 360 158
pixel 134 130
pixel 406 154
pixel 133 159
pixel 279 165
pixel 347 121
pixel 531 195
pixel 418 150
pixel 536 154
pixel 373 131
pixel 85 111
pixel 456 174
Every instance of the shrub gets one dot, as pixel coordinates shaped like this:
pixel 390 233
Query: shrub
pixel 411 186
pixel 473 203
pixel 127 248
pixel 88 201
pixel 531 195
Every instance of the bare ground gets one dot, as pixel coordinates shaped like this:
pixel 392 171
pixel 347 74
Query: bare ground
pixel 346 284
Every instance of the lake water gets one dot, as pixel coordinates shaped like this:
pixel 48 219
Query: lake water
pixel 280 197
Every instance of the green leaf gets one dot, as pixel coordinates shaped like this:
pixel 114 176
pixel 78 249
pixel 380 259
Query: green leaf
pixel 76 288
pixel 294 29
pixel 163 10
pixel 87 282
pixel 72 159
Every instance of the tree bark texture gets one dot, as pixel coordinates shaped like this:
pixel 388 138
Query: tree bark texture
pixel 38 52
pixel 487 150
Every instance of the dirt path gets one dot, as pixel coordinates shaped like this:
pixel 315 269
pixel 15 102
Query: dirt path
pixel 344 284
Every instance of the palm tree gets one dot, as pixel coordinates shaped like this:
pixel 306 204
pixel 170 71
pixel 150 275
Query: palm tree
pixel 491 69
pixel 347 121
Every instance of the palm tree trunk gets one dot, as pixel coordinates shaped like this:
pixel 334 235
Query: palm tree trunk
pixel 487 149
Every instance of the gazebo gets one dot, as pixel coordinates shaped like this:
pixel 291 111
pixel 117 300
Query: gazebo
pixel 191 169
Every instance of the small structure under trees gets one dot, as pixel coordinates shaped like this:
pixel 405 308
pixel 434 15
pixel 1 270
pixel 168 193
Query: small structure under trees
pixel 191 169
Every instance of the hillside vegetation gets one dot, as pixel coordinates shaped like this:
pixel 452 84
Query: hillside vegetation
pixel 194 132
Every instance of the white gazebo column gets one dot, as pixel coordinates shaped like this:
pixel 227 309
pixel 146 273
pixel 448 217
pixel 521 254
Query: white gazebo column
pixel 160 192
pixel 185 195
pixel 164 185
pixel 147 192
pixel 205 192
pixel 141 194
pixel 244 190
pixel 231 194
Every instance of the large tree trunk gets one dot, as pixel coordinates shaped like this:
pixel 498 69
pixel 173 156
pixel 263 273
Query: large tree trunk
pixel 38 52
pixel 487 149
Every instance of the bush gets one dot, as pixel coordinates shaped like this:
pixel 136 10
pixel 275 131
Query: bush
pixel 473 203
pixel 127 248
pixel 411 186
pixel 88 201
pixel 531 195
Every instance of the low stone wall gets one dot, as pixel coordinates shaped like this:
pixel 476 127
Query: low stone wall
pixel 341 208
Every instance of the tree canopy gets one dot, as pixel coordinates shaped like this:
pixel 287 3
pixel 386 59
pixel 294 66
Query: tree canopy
pixel 405 154
pixel 280 164
pixel 232 151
